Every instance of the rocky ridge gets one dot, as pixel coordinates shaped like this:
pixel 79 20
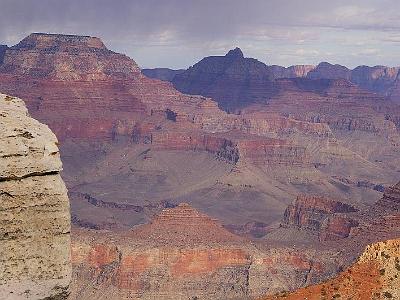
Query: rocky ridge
pixel 374 276
pixel 35 231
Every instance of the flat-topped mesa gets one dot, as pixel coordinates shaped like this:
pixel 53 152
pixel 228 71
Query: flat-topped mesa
pixel 60 43
pixel 66 57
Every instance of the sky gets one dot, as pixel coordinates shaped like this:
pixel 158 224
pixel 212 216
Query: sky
pixel 178 33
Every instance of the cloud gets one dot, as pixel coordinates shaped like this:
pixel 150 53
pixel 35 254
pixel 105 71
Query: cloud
pixel 177 32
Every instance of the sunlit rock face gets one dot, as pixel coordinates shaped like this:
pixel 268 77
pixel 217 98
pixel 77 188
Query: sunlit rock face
pixel 373 276
pixel 35 218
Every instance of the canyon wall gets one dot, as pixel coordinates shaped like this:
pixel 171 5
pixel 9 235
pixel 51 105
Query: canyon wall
pixel 376 275
pixel 184 254
pixel 35 218
pixel 325 217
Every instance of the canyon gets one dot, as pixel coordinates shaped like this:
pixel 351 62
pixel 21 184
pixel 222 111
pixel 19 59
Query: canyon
pixel 297 164
pixel 35 217
pixel 121 131
pixel 184 254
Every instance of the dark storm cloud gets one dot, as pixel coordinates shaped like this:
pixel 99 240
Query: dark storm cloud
pixel 178 32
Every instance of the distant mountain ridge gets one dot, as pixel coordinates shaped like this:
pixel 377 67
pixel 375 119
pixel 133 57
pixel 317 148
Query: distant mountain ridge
pixel 382 80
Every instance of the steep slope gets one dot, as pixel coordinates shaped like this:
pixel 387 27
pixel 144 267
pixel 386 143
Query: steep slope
pixel 290 72
pixel 378 79
pixel 121 132
pixel 184 254
pixel 35 217
pixel 232 80
pixel 326 70
pixel 3 49
pixel 394 92
pixel 374 276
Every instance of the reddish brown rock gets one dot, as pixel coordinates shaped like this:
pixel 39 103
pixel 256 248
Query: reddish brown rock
pixel 318 214
pixel 373 276
pixel 66 57
pixel 183 254
pixel 336 228
pixel 391 198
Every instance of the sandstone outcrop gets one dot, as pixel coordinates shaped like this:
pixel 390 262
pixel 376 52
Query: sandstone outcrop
pixel 35 218
pixel 66 57
pixel 184 254
pixel 374 276
pixel 324 216
pixel 181 254
pixel 378 79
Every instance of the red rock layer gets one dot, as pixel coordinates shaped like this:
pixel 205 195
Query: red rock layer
pixel 374 276
pixel 320 214
pixel 83 90
pixel 183 254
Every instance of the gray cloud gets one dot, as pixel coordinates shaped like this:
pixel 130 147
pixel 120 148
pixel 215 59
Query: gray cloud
pixel 176 33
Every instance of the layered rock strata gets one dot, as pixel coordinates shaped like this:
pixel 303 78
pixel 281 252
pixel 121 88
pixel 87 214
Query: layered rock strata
pixel 184 254
pixel 324 216
pixel 374 276
pixel 35 218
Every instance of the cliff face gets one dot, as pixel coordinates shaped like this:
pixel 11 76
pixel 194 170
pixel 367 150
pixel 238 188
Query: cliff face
pixel 324 216
pixel 184 254
pixel 378 79
pixel 3 49
pixel 291 72
pixel 66 57
pixel 232 80
pixel 328 71
pixel 121 132
pixel 35 218
pixel 374 276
